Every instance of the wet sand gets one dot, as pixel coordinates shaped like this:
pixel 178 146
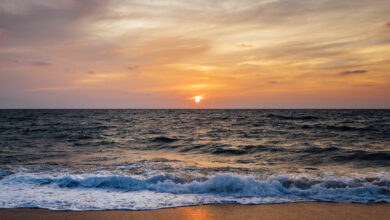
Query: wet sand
pixel 309 210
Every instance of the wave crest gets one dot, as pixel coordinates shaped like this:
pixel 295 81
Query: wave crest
pixel 324 189
pixel 109 191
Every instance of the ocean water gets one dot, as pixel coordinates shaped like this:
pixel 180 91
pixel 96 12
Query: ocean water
pixel 150 159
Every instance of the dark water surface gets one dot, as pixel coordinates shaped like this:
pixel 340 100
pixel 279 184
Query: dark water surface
pixel 141 159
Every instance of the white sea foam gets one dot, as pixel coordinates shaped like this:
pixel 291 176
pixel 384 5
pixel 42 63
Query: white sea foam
pixel 109 191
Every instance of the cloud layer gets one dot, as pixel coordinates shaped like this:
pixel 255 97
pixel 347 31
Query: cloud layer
pixel 152 54
pixel 353 72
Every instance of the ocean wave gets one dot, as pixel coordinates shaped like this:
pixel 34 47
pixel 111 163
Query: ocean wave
pixel 340 128
pixel 229 151
pixel 318 150
pixel 163 139
pixel 382 157
pixel 219 188
pixel 295 117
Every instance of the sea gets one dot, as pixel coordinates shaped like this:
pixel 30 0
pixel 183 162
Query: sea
pixel 150 159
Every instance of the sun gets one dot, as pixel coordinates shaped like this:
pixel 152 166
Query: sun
pixel 197 99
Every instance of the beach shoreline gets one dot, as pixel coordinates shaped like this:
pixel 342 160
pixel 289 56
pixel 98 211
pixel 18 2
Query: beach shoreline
pixel 303 210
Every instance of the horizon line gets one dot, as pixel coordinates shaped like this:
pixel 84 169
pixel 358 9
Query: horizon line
pixel 194 108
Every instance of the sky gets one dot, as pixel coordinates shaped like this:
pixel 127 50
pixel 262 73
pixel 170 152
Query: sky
pixel 163 54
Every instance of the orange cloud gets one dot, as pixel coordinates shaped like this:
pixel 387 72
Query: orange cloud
pixel 113 51
pixel 353 72
pixel 264 54
pixel 244 45
pixel 2 32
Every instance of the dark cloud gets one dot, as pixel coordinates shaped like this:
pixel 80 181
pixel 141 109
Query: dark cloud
pixel 40 63
pixel 34 22
pixel 272 82
pixel 16 61
pixel 353 72
pixel 2 32
pixel 132 68
pixel 91 72
pixel 388 24
pixel 244 45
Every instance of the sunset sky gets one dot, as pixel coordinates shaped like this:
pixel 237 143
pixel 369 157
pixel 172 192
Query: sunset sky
pixel 162 54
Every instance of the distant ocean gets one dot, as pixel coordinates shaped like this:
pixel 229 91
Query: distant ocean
pixel 150 159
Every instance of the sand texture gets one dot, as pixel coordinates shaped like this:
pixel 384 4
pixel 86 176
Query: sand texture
pixel 310 210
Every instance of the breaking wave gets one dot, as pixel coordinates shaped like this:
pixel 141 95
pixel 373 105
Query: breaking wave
pixel 85 191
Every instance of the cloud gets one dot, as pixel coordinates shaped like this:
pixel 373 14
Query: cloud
pixel 132 68
pixel 353 72
pixel 113 51
pixel 16 61
pixel 2 32
pixel 243 45
pixel 172 50
pixel 40 21
pixel 254 46
pixel 40 63
pixel 49 89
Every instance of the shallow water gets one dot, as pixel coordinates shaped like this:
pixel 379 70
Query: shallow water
pixel 147 159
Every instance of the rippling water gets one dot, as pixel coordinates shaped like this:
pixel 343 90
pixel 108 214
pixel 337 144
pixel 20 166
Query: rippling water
pixel 146 159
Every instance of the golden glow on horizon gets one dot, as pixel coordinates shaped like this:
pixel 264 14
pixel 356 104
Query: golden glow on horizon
pixel 197 99
pixel 164 54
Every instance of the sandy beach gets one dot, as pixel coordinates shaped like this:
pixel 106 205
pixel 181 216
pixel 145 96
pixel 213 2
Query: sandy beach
pixel 310 210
